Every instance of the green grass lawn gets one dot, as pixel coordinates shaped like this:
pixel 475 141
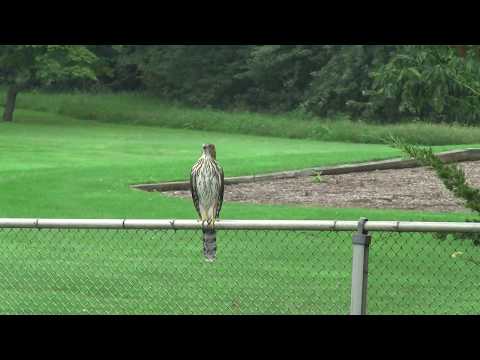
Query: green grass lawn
pixel 53 166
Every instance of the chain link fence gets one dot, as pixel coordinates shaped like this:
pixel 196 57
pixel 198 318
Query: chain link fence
pixel 163 272
pixel 423 274
pixel 258 271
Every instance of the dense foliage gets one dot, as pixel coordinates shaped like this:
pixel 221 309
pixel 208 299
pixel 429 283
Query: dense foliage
pixel 429 82
pixel 385 83
pixel 36 65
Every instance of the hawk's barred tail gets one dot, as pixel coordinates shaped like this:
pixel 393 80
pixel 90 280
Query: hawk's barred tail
pixel 210 244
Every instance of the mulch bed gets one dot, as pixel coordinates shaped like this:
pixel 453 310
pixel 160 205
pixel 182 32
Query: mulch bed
pixel 409 189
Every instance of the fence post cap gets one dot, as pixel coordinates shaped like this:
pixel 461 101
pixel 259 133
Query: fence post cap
pixel 362 237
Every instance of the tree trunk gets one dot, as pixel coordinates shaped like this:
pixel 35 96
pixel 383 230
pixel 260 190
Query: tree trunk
pixel 10 103
pixel 461 50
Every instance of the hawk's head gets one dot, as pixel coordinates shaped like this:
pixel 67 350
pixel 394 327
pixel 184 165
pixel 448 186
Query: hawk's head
pixel 210 151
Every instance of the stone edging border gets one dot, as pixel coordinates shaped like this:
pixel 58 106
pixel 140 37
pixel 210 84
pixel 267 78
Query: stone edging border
pixel 446 157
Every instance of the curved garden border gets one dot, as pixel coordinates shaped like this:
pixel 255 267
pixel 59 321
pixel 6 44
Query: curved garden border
pixel 446 157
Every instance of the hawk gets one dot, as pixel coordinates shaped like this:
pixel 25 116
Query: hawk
pixel 207 187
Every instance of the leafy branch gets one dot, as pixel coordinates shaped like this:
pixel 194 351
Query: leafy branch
pixel 452 175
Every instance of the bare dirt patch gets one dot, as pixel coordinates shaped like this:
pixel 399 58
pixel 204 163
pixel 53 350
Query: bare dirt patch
pixel 408 189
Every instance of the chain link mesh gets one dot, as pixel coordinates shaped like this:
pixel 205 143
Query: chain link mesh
pixel 164 272
pixel 257 272
pixel 424 273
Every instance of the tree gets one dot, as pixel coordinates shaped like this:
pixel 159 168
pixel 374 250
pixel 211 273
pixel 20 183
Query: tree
pixel 26 66
pixel 280 74
pixel 118 68
pixel 429 82
pixel 340 84
pixel 202 75
pixel 253 77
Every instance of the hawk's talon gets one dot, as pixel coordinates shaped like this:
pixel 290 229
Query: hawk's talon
pixel 211 224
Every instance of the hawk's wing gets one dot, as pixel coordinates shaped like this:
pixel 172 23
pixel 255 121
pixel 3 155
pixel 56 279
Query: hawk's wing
pixel 193 188
pixel 221 191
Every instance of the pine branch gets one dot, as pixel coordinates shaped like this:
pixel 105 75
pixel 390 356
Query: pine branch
pixel 452 176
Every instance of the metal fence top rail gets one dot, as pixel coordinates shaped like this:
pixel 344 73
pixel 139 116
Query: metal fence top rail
pixel 314 225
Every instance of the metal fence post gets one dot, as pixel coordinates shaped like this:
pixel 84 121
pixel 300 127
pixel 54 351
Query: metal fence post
pixel 361 244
